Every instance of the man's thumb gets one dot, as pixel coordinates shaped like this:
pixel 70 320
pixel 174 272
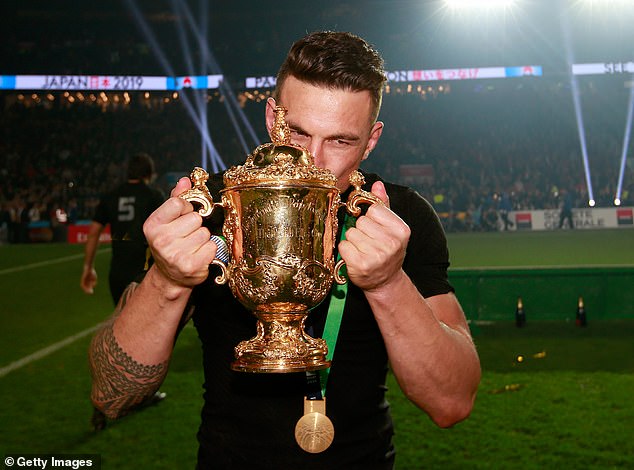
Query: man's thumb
pixel 378 189
pixel 183 185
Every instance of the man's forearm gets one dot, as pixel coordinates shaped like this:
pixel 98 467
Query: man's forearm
pixel 430 349
pixel 91 244
pixel 129 355
pixel 118 381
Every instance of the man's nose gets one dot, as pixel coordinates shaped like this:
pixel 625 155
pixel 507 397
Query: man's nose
pixel 315 148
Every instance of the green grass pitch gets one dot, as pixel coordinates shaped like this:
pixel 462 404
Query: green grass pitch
pixel 567 404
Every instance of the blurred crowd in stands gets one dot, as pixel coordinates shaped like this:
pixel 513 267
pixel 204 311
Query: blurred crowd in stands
pixel 57 160
pixel 508 146
pixel 487 149
pixel 476 150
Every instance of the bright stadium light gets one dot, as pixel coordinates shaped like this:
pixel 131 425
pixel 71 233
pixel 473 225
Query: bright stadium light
pixel 626 144
pixel 480 4
pixel 605 3
pixel 574 87
pixel 604 7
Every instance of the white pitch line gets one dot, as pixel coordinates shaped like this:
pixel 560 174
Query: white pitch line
pixel 46 351
pixel 26 267
pixel 53 347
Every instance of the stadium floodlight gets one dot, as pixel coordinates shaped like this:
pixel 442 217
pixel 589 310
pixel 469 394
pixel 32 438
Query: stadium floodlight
pixel 626 144
pixel 609 8
pixel 196 109
pixel 479 4
pixel 605 3
pixel 574 87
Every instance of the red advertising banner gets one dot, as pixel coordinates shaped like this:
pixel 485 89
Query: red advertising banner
pixel 78 233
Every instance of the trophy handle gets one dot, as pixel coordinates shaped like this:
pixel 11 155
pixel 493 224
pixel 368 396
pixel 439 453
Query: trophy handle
pixel 222 278
pixel 358 195
pixel 339 279
pixel 199 192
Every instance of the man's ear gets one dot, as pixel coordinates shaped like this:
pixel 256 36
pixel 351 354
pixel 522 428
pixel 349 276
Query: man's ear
pixel 270 114
pixel 375 134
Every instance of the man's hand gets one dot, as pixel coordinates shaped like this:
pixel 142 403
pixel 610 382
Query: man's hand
pixel 88 280
pixel 374 250
pixel 180 244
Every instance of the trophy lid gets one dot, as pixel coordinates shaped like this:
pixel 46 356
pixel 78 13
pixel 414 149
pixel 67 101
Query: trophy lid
pixel 279 162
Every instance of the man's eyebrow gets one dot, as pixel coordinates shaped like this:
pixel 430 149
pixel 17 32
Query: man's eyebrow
pixel 296 128
pixel 348 137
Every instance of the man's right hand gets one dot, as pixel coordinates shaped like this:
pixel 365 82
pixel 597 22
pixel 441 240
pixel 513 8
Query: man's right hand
pixel 180 245
pixel 88 280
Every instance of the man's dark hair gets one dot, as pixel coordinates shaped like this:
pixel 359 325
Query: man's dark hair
pixel 336 60
pixel 140 167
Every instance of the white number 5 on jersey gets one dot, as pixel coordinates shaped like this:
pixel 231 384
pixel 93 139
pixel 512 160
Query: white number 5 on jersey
pixel 126 209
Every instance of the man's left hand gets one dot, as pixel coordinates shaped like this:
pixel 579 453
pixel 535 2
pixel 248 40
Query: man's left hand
pixel 374 250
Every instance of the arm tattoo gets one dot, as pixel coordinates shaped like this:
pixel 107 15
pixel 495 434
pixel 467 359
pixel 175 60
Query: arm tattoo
pixel 119 382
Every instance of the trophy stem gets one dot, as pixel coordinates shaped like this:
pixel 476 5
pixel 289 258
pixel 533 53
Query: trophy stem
pixel 281 345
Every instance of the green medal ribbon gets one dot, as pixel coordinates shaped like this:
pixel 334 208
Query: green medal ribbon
pixel 335 312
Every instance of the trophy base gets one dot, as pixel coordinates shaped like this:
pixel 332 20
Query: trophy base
pixel 281 346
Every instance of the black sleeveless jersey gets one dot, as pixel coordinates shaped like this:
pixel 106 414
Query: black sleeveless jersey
pixel 248 420
pixel 126 209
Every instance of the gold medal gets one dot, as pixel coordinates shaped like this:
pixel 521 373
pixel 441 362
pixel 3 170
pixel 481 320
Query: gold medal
pixel 314 431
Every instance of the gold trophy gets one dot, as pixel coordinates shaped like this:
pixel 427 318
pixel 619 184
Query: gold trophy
pixel 281 228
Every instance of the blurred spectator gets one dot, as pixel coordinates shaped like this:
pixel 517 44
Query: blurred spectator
pixel 5 221
pixel 565 213
pixel 54 153
pixel 505 207
pixel 125 210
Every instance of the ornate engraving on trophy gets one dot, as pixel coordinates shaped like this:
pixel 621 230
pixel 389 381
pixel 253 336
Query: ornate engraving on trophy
pixel 312 281
pixel 258 283
pixel 283 219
